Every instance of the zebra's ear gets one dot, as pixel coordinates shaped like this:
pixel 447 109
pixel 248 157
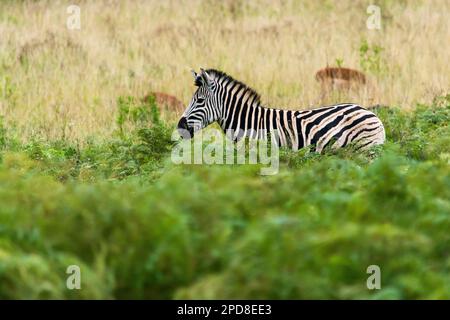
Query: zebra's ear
pixel 197 78
pixel 207 78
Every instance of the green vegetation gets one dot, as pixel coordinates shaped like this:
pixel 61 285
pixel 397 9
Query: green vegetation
pixel 339 62
pixel 370 58
pixel 141 227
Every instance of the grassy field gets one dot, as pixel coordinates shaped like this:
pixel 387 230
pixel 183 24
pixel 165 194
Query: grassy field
pixel 86 176
pixel 58 83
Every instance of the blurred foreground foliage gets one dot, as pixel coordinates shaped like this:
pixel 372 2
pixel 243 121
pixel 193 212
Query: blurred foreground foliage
pixel 140 226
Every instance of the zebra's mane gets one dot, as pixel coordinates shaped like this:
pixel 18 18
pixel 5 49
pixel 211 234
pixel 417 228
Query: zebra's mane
pixel 222 75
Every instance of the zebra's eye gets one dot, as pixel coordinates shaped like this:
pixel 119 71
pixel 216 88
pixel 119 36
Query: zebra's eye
pixel 200 100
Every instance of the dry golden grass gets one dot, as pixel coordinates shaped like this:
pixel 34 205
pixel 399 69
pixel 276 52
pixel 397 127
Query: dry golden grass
pixel 59 83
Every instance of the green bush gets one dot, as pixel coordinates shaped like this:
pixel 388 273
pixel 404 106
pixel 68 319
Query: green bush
pixel 141 227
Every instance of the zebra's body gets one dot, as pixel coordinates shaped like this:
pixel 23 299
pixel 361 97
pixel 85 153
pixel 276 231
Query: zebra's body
pixel 238 110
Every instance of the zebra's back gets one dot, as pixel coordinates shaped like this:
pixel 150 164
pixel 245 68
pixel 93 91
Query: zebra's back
pixel 337 126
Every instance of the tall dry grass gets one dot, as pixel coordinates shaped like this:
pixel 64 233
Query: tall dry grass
pixel 59 83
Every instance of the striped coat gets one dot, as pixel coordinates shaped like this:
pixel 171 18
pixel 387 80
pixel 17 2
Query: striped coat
pixel 238 110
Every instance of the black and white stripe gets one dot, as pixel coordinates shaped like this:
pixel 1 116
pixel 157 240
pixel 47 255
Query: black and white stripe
pixel 237 108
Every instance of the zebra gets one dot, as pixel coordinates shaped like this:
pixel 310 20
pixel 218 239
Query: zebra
pixel 238 109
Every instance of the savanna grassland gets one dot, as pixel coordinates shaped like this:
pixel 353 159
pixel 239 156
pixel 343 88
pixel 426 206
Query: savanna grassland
pixel 86 176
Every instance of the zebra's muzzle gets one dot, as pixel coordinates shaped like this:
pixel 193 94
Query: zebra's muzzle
pixel 184 130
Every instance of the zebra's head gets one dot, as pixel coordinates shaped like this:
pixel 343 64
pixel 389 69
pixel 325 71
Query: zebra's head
pixel 203 109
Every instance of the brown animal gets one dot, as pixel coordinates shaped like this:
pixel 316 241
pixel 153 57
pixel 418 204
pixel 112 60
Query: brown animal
pixel 166 103
pixel 339 78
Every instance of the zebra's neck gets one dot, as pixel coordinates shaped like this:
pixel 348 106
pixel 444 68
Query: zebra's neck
pixel 242 119
pixel 237 113
pixel 243 115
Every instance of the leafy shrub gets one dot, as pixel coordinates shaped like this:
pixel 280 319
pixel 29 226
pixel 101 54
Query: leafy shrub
pixel 141 227
pixel 370 58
